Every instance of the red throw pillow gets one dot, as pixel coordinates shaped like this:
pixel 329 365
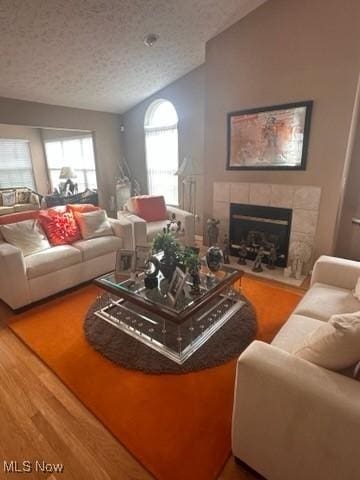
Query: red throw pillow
pixel 150 208
pixel 60 227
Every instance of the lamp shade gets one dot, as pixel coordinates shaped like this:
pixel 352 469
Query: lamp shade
pixel 188 168
pixel 66 173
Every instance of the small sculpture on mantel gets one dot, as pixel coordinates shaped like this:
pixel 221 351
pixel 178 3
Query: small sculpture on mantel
pixel 272 257
pixel 213 231
pixel 300 253
pixel 257 267
pixel 226 249
pixel 243 252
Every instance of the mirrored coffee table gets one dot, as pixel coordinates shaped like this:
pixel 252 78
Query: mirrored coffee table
pixel 176 331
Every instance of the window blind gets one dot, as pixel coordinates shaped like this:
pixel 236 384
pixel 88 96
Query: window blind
pixel 162 163
pixel 15 164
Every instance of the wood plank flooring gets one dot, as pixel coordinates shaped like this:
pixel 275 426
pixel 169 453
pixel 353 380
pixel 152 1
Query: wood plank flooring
pixel 40 419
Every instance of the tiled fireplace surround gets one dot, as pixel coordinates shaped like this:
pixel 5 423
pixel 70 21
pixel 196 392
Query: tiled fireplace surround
pixel 303 200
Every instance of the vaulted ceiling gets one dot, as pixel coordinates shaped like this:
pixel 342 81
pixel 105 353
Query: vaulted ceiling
pixel 90 53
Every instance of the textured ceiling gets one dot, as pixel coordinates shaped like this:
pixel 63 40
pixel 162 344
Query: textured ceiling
pixel 90 53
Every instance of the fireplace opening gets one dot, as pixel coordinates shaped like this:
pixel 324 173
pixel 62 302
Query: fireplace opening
pixel 252 227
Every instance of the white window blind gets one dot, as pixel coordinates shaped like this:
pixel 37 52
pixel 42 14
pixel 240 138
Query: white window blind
pixel 162 163
pixel 15 164
pixel 162 156
pixel 77 153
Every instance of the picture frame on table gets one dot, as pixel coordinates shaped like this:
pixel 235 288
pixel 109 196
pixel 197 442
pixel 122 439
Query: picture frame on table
pixel 269 138
pixel 141 257
pixel 176 286
pixel 124 264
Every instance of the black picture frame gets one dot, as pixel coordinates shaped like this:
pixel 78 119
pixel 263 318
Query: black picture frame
pixel 300 165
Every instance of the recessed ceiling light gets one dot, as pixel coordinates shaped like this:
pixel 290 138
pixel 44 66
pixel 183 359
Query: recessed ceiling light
pixel 151 39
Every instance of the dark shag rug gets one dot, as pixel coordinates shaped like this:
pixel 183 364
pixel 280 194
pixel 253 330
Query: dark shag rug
pixel 227 343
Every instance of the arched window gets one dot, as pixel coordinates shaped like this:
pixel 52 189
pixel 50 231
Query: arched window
pixel 162 156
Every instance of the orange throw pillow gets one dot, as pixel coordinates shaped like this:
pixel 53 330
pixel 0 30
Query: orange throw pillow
pixel 60 226
pixel 150 208
pixel 81 207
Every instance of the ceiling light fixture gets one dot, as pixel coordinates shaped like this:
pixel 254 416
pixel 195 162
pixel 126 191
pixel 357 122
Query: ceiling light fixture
pixel 151 39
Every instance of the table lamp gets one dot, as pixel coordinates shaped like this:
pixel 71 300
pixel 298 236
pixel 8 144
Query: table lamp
pixel 67 173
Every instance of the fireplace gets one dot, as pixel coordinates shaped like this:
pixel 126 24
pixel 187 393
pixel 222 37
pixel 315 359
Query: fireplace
pixel 252 227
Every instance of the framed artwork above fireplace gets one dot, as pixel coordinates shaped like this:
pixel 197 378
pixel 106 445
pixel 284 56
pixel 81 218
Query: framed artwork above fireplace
pixel 269 138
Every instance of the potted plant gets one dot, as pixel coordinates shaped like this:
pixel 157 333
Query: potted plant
pixel 191 261
pixel 166 242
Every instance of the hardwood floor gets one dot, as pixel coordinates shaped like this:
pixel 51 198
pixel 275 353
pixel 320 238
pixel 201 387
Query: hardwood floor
pixel 42 420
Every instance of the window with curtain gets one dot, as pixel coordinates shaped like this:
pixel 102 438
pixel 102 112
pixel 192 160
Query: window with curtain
pixel 15 164
pixel 77 153
pixel 162 156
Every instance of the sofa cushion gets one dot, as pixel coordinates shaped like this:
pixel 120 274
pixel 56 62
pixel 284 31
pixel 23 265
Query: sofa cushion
pixel 51 260
pixel 150 207
pixel 6 210
pixel 27 235
pixel 95 247
pixel 93 224
pixel 294 331
pixel 322 301
pixel 153 228
pixel 24 207
pixel 334 345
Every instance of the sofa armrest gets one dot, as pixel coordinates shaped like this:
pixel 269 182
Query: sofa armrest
pixel 187 221
pixel 14 288
pixel 293 419
pixel 138 228
pixel 335 271
pixel 122 227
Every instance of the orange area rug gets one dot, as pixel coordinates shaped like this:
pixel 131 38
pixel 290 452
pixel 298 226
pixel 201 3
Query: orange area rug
pixel 177 426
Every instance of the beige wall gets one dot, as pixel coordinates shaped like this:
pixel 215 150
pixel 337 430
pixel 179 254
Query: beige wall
pixel 187 95
pixel 287 50
pixel 36 150
pixel 348 242
pixel 105 127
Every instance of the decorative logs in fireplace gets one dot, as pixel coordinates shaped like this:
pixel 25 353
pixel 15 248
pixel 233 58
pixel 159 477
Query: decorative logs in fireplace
pixel 253 227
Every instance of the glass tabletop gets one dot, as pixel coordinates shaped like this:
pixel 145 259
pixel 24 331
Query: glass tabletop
pixel 159 296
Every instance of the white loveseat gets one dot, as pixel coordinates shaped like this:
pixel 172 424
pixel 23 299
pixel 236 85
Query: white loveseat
pixel 293 419
pixel 144 232
pixel 24 280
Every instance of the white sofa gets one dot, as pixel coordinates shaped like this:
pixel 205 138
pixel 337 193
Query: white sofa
pixel 24 280
pixel 145 232
pixel 293 419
